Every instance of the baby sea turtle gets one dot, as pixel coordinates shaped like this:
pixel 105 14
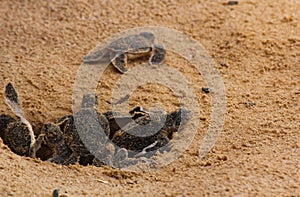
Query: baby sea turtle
pixel 164 126
pixel 86 130
pixel 130 47
pixel 54 141
pixel 117 121
pixel 18 134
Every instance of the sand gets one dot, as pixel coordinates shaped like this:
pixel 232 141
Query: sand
pixel 258 151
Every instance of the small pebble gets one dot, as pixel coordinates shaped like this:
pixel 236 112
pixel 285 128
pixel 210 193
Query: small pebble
pixel 223 64
pixel 206 90
pixel 55 193
pixel 250 104
pixel 202 118
pixel 232 3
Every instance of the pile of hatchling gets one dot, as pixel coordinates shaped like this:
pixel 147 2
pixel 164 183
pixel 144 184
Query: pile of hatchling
pixel 89 137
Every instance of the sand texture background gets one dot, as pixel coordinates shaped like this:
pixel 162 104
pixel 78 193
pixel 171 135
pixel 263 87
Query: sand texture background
pixel 258 152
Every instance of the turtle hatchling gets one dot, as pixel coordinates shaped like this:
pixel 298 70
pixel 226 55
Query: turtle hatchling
pixel 86 131
pixel 18 134
pixel 149 131
pixel 54 146
pixel 130 47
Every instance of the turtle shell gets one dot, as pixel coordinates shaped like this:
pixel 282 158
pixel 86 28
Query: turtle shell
pixel 86 130
pixel 4 121
pixel 17 138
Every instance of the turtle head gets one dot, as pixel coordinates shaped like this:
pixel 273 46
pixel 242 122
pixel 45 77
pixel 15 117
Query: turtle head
pixel 52 133
pixel 148 35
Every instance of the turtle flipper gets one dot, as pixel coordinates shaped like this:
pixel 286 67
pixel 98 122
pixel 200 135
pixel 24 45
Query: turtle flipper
pixel 121 154
pixel 12 99
pixel 120 62
pixel 103 56
pixel 158 55
pixel 36 146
